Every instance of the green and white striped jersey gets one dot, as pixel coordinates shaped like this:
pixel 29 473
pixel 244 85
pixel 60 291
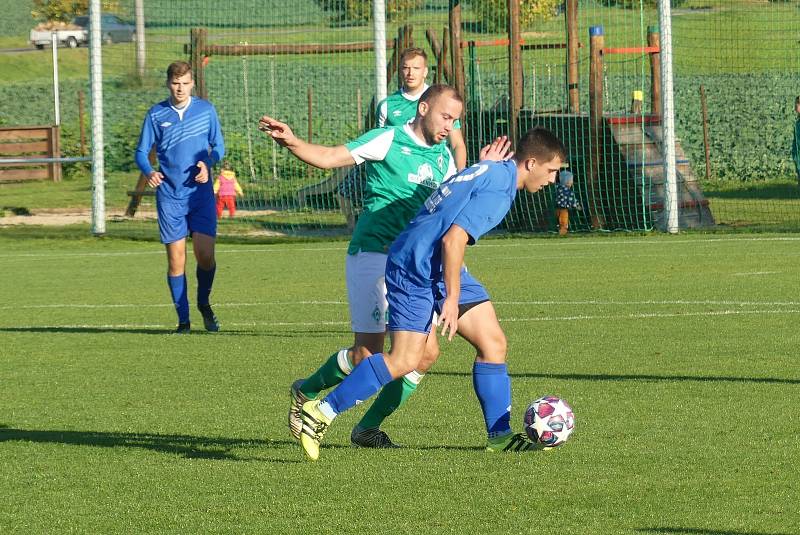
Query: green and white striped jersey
pixel 402 171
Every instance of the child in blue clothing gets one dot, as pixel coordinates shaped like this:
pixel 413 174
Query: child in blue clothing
pixel 565 201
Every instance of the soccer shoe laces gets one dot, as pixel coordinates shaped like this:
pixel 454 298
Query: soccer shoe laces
pixel 313 427
pixel 519 443
pixel 516 443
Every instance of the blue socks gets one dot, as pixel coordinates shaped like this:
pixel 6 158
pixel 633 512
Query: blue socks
pixel 204 281
pixel 493 387
pixel 362 383
pixel 177 287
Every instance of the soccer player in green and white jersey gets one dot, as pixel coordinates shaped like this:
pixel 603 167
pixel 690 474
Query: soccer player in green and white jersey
pixel 401 107
pixel 404 164
pixel 398 109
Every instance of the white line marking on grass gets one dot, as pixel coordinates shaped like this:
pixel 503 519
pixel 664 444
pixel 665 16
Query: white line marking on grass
pixel 499 243
pixel 745 274
pixel 169 305
pixel 651 315
pixel 592 302
pixel 346 323
pixel 610 256
pixel 653 302
pixel 172 326
pixel 161 252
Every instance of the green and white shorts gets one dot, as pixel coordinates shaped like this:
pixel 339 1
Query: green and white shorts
pixel 366 292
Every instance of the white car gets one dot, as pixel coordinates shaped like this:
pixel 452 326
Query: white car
pixel 68 35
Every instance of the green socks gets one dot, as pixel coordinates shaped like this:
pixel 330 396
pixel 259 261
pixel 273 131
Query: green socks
pixel 338 366
pixel 328 375
pixel 389 399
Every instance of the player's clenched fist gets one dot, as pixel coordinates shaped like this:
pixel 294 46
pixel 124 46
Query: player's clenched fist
pixel 202 175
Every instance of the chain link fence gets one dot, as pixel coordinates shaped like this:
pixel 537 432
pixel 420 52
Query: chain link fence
pixel 586 69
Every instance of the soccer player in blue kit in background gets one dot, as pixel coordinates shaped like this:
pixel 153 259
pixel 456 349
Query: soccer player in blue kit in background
pixel 188 139
pixel 425 272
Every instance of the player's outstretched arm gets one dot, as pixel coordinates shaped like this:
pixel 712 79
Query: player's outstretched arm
pixel 454 242
pixel 497 150
pixel 320 156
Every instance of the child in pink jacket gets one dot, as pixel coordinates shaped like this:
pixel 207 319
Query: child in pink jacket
pixel 226 188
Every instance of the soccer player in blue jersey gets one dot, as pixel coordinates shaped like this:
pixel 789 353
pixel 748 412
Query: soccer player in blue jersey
pixel 404 165
pixel 425 272
pixel 188 140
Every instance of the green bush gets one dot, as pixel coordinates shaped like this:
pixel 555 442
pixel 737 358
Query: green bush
pixel 635 4
pixel 493 14
pixel 359 11
pixel 65 10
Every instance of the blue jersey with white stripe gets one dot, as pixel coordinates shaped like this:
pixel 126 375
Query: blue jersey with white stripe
pixel 182 138
pixel 476 199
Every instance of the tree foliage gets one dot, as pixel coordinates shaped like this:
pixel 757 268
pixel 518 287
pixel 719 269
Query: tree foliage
pixel 66 10
pixel 493 14
pixel 359 11
pixel 636 4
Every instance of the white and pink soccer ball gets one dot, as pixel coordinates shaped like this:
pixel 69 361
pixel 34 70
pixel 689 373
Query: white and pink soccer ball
pixel 549 421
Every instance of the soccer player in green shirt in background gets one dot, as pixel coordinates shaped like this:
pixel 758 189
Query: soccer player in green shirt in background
pixel 404 165
pixel 401 107
pixel 796 139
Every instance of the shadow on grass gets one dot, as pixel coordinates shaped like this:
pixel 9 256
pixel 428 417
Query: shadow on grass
pixel 130 330
pixel 161 332
pixel 84 330
pixel 754 191
pixel 619 377
pixel 697 531
pixel 187 446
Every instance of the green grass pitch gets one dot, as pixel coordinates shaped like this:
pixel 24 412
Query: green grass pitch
pixel 678 354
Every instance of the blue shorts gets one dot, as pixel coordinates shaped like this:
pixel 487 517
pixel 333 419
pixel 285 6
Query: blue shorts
pixel 411 306
pixel 177 219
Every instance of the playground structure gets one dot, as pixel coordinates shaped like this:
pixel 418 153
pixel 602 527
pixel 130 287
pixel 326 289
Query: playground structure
pixel 617 159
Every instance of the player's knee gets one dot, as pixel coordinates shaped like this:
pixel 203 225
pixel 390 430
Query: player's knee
pixel 176 264
pixel 359 353
pixel 205 259
pixel 493 348
pixel 400 365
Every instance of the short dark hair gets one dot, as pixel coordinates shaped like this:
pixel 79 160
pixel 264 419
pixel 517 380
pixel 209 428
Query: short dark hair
pixel 177 69
pixel 540 143
pixel 413 52
pixel 436 90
